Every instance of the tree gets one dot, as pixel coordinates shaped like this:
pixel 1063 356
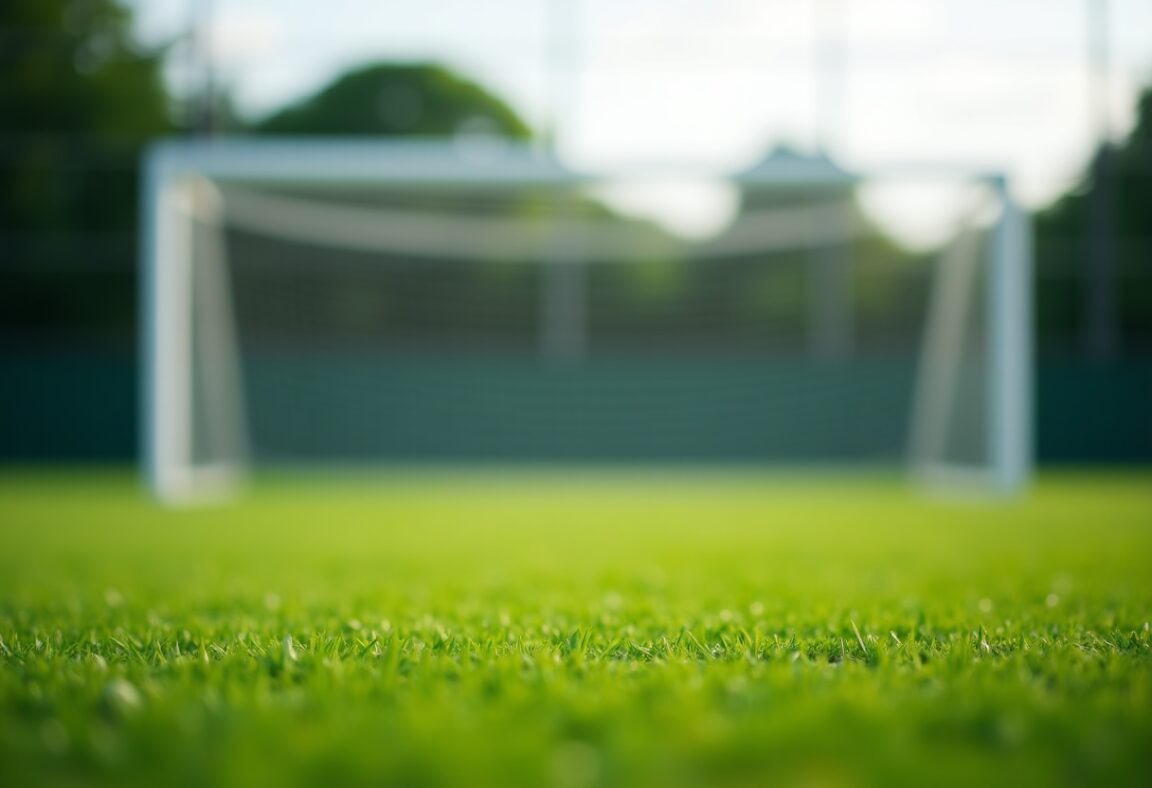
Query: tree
pixel 78 100
pixel 409 99
pixel 1063 233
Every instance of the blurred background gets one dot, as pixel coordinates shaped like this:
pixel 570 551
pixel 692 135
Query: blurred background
pixel 1053 92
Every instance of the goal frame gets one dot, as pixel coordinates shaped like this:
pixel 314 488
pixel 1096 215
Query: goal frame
pixel 166 287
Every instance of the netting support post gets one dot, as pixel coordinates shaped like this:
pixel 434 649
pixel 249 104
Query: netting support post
pixel 830 294
pixel 563 306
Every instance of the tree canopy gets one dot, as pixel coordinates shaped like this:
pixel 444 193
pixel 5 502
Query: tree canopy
pixel 1131 179
pixel 78 101
pixel 402 99
pixel 75 92
pixel 1064 252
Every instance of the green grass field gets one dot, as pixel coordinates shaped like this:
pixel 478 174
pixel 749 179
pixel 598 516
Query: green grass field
pixel 627 629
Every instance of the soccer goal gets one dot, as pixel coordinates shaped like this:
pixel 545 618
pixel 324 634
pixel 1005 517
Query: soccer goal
pixel 338 303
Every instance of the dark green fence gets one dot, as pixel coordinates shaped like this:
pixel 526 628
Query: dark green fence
pixel 65 406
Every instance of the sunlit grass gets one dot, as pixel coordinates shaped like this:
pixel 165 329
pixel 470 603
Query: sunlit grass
pixel 611 629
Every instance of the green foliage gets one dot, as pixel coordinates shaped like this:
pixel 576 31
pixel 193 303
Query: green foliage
pixel 545 630
pixel 78 100
pixel 1065 217
pixel 397 99
pixel 76 92
pixel 1062 232
pixel 1134 173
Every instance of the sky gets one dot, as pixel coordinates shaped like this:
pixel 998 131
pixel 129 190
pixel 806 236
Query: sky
pixel 994 84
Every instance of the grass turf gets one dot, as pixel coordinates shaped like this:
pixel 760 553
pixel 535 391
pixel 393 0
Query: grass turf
pixel 633 629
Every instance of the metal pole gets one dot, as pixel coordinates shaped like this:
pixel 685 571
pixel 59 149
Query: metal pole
pixel 830 274
pixel 1101 337
pixel 562 57
pixel 203 71
pixel 563 285
pixel 829 60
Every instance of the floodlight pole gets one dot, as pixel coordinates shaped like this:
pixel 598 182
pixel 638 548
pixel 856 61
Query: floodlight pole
pixel 561 63
pixel 563 315
pixel 830 280
pixel 829 67
pixel 202 75
pixel 1099 303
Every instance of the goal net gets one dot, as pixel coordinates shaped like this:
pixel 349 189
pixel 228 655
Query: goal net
pixel 338 303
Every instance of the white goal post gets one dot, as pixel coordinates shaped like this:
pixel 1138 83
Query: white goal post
pixel 192 371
